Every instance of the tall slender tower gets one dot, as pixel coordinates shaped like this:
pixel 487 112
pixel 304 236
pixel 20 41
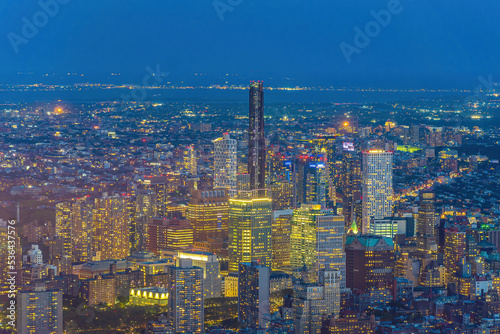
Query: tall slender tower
pixel 377 186
pixel 256 140
pixel 225 163
pixel 426 240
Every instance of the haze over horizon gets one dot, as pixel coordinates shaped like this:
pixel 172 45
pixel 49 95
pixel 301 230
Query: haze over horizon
pixel 282 42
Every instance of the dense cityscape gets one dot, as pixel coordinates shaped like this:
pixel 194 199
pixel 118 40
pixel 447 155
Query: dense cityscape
pixel 252 167
pixel 176 217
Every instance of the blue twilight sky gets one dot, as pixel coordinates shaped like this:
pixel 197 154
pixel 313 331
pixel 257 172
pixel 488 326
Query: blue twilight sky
pixel 427 43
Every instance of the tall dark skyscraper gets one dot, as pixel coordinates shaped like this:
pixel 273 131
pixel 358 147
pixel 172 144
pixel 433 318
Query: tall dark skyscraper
pixel 256 140
pixel 426 240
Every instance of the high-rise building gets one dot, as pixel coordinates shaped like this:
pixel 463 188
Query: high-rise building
pixel 190 160
pixel 169 234
pixel 81 215
pixel 370 262
pixel 210 265
pixel 144 212
pixel 256 139
pixel 253 294
pixel 208 213
pixel 282 194
pixel 64 227
pixel 350 183
pixel 426 240
pixel 314 301
pixel 111 228
pixel 281 239
pixel 185 297
pixel 317 241
pixel 454 250
pixel 160 187
pixel 377 186
pixel 40 311
pixel 250 229
pixel 225 163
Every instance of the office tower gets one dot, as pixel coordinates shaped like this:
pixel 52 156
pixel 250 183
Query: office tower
pixel 190 160
pixel 208 213
pixel 250 228
pixel 169 234
pixel 350 184
pixel 185 297
pixel 426 240
pixel 144 211
pixel 314 301
pixel 316 183
pixel 81 215
pixel 274 164
pixel 225 163
pixel 160 187
pixel 243 181
pixel 64 227
pixel 253 294
pixel 111 228
pixel 316 241
pixel 210 265
pixel 40 311
pixel 281 239
pixel 415 134
pixel 454 251
pixel 256 139
pixel 370 262
pixel 385 227
pixel 282 194
pixel 377 186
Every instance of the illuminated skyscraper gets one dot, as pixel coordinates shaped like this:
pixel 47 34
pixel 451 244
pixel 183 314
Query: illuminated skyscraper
pixel 454 251
pixel 211 267
pixel 317 241
pixel 160 187
pixel 144 210
pixel 64 227
pixel 81 215
pixel 40 311
pixel 377 186
pixel 190 160
pixel 282 193
pixel 256 139
pixel 281 239
pixel 316 183
pixel 426 240
pixel 185 297
pixel 169 234
pixel 225 163
pixel 208 213
pixel 111 228
pixel 253 294
pixel 350 183
pixel 250 229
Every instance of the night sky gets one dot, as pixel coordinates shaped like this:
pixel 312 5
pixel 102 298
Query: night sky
pixel 445 43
